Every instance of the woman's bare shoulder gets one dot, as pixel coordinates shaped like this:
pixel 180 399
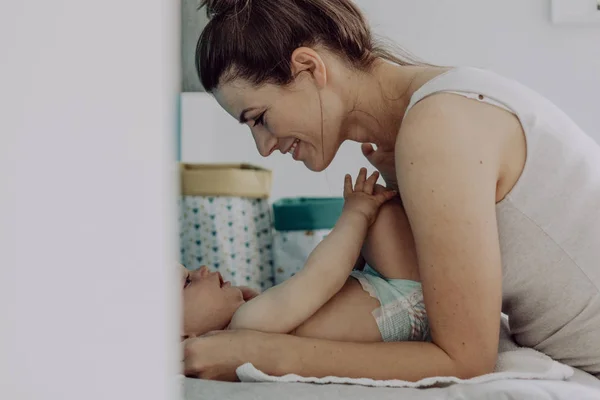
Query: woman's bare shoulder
pixel 484 131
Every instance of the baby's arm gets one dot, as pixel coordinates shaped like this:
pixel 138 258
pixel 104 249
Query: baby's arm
pixel 284 307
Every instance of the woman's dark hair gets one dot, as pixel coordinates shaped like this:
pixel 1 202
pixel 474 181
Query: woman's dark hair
pixel 254 39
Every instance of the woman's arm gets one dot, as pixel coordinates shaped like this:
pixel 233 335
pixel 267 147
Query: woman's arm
pixel 283 307
pixel 448 160
pixel 217 356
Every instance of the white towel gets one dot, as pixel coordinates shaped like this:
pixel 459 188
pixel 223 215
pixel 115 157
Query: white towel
pixel 513 363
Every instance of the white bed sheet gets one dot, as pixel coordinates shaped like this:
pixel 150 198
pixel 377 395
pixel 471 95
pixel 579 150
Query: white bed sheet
pixel 581 387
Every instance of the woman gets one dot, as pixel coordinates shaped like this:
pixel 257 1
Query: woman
pixel 502 190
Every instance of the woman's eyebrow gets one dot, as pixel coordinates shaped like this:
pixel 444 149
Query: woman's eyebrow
pixel 243 119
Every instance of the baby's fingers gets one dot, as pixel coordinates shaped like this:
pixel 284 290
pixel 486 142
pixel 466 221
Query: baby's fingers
pixel 360 180
pixel 370 183
pixel 347 185
pixel 382 197
pixel 379 189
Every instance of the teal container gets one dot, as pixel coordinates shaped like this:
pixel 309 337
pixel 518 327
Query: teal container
pixel 306 213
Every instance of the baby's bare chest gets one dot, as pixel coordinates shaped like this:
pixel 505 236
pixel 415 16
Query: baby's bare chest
pixel 346 317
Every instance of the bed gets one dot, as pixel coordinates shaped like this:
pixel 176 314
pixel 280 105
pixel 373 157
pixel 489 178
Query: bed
pixel 580 387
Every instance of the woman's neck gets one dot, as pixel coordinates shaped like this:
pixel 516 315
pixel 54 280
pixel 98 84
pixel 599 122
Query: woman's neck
pixel 377 102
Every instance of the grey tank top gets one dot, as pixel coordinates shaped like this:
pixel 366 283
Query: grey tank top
pixel 549 224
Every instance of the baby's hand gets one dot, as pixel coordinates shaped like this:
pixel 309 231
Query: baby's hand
pixel 384 162
pixel 363 199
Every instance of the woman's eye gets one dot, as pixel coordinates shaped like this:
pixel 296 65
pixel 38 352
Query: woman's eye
pixel 188 280
pixel 260 120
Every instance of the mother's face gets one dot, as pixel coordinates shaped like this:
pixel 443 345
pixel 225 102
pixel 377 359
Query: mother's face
pixel 300 119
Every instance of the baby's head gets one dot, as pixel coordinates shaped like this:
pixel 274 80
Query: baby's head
pixel 208 302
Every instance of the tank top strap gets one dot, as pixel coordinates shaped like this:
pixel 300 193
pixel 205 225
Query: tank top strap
pixel 474 83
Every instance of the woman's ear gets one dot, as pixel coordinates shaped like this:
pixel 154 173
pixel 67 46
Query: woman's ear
pixel 305 59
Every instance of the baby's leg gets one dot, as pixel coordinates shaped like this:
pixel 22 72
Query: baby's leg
pixel 389 247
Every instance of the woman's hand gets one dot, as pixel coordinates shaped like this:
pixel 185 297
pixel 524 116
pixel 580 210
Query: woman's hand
pixel 216 355
pixel 384 162
pixel 363 198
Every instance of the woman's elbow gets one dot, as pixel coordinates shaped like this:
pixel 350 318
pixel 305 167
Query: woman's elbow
pixel 476 365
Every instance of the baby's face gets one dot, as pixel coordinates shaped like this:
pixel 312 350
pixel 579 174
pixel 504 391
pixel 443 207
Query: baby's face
pixel 208 302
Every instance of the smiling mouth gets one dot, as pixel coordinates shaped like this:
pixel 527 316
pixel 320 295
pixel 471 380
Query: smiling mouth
pixel 292 146
pixel 293 150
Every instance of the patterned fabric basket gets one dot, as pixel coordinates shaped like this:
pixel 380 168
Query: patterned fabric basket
pixel 225 222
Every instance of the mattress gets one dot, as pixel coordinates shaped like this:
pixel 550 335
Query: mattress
pixel 581 387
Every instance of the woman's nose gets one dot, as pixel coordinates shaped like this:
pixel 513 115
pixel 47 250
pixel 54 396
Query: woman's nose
pixel 265 142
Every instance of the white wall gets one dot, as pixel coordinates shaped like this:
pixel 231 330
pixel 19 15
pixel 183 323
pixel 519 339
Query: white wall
pixel 209 135
pixel 513 37
pixel 88 94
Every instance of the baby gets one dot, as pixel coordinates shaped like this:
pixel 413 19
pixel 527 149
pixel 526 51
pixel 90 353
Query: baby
pixel 377 298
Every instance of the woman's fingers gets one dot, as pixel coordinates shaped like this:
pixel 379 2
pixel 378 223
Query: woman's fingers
pixel 216 355
pixel 347 185
pixel 370 183
pixel 360 180
pixel 188 363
